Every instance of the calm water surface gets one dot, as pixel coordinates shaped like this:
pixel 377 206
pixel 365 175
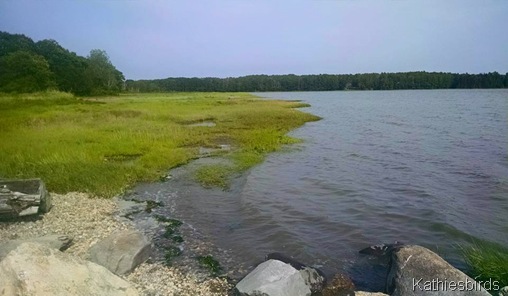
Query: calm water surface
pixel 421 167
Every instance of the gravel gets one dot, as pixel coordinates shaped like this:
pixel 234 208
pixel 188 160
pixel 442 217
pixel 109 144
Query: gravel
pixel 88 220
pixel 158 280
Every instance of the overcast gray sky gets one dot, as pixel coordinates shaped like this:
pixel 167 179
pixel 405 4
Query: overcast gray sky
pixel 221 38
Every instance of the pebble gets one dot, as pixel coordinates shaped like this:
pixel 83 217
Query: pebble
pixel 89 220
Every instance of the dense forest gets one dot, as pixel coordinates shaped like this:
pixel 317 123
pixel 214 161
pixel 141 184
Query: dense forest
pixel 370 81
pixel 28 66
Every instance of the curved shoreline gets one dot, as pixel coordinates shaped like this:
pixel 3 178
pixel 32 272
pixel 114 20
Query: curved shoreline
pixel 89 219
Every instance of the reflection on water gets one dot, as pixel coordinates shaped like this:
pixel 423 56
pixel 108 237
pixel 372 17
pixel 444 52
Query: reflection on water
pixel 421 167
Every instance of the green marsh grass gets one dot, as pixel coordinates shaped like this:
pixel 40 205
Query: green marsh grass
pixel 214 175
pixel 487 261
pixel 104 145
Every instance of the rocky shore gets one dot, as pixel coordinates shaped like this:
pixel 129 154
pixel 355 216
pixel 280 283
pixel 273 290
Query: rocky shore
pixel 89 220
pixel 84 247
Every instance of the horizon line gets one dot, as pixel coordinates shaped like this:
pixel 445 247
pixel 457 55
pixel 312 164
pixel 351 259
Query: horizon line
pixel 342 74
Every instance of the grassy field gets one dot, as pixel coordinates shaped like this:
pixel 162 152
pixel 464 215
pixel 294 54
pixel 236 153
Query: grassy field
pixel 104 145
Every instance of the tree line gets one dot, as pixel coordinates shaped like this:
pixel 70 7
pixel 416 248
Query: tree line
pixel 323 82
pixel 28 66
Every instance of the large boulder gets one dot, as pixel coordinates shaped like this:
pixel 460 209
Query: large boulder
pixel 416 270
pixel 273 278
pixel 314 278
pixel 277 278
pixel 34 269
pixel 122 251
pixel 55 241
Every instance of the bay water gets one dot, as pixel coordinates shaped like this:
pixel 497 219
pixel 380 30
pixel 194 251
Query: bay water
pixel 427 167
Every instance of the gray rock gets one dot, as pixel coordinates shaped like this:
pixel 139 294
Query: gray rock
pixel 416 270
pixel 34 269
pixel 277 278
pixel 55 241
pixel 362 293
pixel 23 197
pixel 122 251
pixel 503 291
pixel 273 278
pixel 314 278
pixel 381 250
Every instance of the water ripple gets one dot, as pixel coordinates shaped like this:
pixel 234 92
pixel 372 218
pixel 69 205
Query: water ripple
pixel 422 167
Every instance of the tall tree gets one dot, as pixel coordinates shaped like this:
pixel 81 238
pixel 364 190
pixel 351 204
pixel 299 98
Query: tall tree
pixel 14 42
pixel 23 71
pixel 101 75
pixel 69 68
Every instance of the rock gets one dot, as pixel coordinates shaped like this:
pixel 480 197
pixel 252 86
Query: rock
pixel 122 251
pixel 362 293
pixel 34 269
pixel 314 278
pixel 273 278
pixel 280 277
pixel 416 270
pixel 55 241
pixel 503 291
pixel 381 250
pixel 285 259
pixel 23 197
pixel 340 285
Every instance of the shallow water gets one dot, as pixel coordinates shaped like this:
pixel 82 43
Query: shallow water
pixel 421 167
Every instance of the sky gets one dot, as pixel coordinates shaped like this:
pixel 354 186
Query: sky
pixel 150 39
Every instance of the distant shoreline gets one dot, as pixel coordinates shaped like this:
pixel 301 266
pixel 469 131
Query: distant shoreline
pixel 322 82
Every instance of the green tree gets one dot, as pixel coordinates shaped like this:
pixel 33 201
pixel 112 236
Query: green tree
pixel 101 76
pixel 10 43
pixel 69 68
pixel 24 71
